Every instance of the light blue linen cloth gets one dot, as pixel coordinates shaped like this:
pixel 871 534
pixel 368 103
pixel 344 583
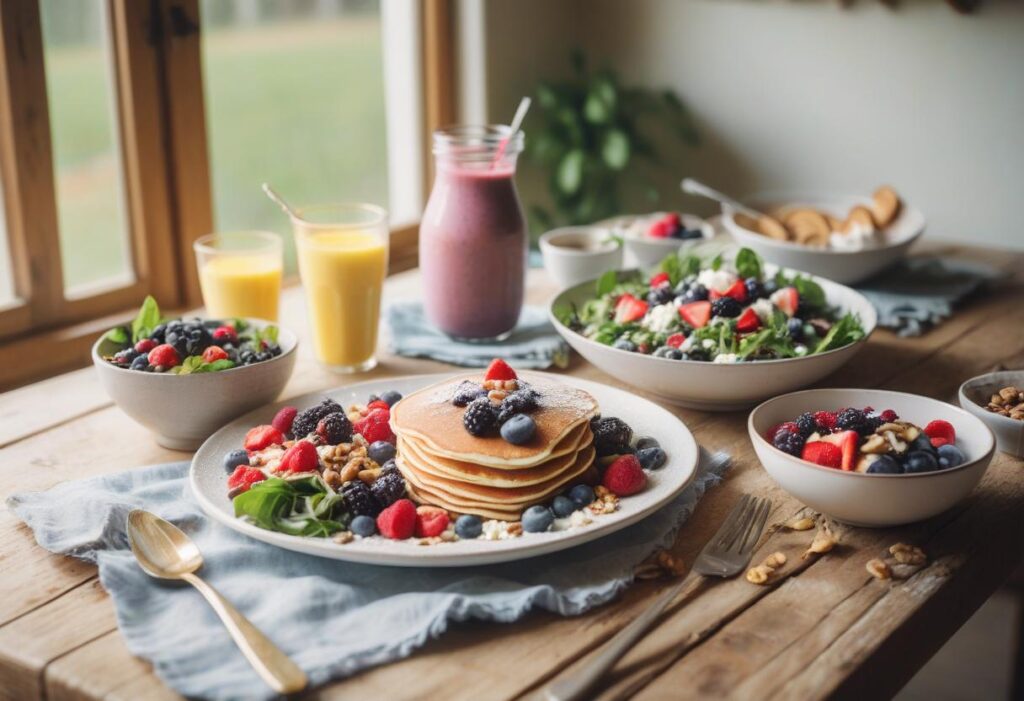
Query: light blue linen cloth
pixel 533 344
pixel 919 293
pixel 333 618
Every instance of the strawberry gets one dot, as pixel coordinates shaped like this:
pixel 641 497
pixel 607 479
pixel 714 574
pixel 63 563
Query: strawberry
pixel 624 476
pixel 145 345
pixel 214 353
pixel 888 416
pixel 847 442
pixel 430 521
pixel 262 437
pixel 659 279
pixel 675 340
pixel 940 432
pixel 244 477
pixel 661 229
pixel 629 308
pixel 787 299
pixel 673 219
pixel 748 321
pixel 378 404
pixel 164 355
pixel 375 426
pixel 398 521
pixel 225 333
pixel 823 453
pixel 737 291
pixel 500 370
pixel 283 419
pixel 696 314
pixel 826 419
pixel 301 457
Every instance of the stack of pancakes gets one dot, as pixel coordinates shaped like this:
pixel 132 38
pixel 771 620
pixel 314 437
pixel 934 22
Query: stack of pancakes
pixel 444 465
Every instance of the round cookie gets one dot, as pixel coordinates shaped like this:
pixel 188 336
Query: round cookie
pixel 773 228
pixel 885 206
pixel 859 217
pixel 746 222
pixel 809 226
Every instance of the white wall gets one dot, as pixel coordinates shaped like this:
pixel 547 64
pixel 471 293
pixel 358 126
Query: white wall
pixel 807 95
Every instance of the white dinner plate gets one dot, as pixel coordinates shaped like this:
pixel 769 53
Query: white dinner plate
pixel 208 481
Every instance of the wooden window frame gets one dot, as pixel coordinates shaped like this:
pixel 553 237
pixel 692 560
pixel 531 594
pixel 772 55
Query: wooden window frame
pixel 164 164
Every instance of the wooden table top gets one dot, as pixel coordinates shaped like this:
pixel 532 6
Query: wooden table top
pixel 828 628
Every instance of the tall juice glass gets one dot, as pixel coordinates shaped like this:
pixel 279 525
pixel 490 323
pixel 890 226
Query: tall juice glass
pixel 240 273
pixel 343 258
pixel 473 240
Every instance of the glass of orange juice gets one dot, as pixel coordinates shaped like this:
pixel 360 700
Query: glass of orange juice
pixel 343 258
pixel 240 273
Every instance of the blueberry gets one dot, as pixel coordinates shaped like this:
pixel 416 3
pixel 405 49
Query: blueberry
pixel 390 397
pixel 950 456
pixel 795 328
pixel 563 506
pixel 363 525
pixel 884 465
pixel 623 344
pixel 697 293
pixel 770 286
pixel 519 429
pixel 582 494
pixel 755 290
pixel 140 363
pixel 157 334
pixel 380 452
pixel 923 443
pixel 647 442
pixel 537 519
pixel 920 461
pixel 651 458
pixel 235 458
pixel 468 526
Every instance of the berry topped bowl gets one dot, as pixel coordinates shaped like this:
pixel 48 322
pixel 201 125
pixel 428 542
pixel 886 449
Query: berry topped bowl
pixel 871 457
pixel 185 378
pixel 649 238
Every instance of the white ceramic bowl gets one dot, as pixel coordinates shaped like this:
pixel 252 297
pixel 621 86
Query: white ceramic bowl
pixel 647 251
pixel 872 500
pixel 184 410
pixel 573 254
pixel 846 267
pixel 713 386
pixel 974 396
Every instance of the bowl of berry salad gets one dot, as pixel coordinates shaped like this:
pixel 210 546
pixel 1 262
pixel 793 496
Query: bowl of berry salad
pixel 871 457
pixel 651 237
pixel 718 333
pixel 185 378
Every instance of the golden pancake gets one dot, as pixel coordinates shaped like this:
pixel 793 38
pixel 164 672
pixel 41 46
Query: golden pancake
pixel 484 512
pixel 429 416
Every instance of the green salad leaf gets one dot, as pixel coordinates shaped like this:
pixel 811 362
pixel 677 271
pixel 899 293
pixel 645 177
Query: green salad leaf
pixel 306 507
pixel 146 320
pixel 748 264
pixel 119 335
pixel 606 283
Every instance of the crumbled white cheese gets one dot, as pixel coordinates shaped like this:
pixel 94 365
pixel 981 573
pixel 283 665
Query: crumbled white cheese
pixel 726 358
pixel 661 318
pixel 687 344
pixel 764 310
pixel 719 280
pixel 495 530
pixel 708 343
pixel 857 238
pixel 800 349
pixel 578 519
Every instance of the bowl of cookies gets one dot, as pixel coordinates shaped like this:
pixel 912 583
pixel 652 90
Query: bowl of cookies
pixel 843 238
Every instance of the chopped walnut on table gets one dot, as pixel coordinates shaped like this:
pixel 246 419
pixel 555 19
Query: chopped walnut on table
pixel 824 541
pixel 660 564
pixel 763 572
pixel 908 554
pixel 878 569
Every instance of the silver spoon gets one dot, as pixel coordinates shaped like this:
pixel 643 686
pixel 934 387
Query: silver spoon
pixel 165 552
pixel 694 187
pixel 280 201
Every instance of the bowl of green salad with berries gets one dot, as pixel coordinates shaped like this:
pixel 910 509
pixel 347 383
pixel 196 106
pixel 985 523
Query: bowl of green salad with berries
pixel 183 378
pixel 718 332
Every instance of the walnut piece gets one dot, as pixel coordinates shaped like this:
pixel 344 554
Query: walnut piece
pixel 824 541
pixel 759 574
pixel 804 523
pixel 775 560
pixel 878 569
pixel 908 554
pixel 343 537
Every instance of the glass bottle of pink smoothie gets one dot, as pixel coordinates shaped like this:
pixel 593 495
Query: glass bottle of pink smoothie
pixel 473 241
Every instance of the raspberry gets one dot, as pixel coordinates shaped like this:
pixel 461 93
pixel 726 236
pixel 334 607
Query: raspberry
pixel 283 419
pixel 500 370
pixel 301 457
pixel 430 521
pixel 145 345
pixel 244 477
pixel 378 404
pixel 359 500
pixel 334 428
pixel 659 279
pixel 398 521
pixel 262 437
pixel 480 417
pixel 164 355
pixel 375 426
pixel 225 334
pixel 611 436
pixel 214 353
pixel 675 340
pixel 389 487
pixel 624 476
pixel 888 416
pixel 306 420
pixel 826 419
pixel 940 432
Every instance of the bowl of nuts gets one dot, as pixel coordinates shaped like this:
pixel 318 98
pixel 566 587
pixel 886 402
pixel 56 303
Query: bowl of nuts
pixel 997 398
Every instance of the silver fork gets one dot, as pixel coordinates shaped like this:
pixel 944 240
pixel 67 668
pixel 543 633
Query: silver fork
pixel 725 555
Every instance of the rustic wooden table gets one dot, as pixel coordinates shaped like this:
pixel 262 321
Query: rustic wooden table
pixel 826 629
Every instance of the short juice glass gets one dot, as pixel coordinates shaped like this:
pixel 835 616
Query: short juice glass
pixel 343 259
pixel 240 273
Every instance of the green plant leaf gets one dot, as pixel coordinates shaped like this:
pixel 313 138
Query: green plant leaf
pixel 615 149
pixel 716 262
pixel 118 335
pixel 570 172
pixel 146 320
pixel 547 98
pixel 606 283
pixel 748 264
pixel 266 502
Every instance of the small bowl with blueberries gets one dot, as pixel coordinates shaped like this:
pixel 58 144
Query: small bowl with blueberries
pixel 185 378
pixel 871 457
pixel 648 239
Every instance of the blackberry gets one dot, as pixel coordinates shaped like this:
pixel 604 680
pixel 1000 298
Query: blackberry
pixel 125 357
pixel 359 500
pixel 467 392
pixel 727 307
pixel 806 423
pixel 755 290
pixel 480 417
pixel 306 420
pixel 662 294
pixel 334 428
pixel 388 488
pixel 789 442
pixel 518 402
pixel 852 420
pixel 871 424
pixel 611 436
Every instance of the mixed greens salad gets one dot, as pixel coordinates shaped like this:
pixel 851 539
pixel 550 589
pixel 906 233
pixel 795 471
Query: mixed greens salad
pixel 713 310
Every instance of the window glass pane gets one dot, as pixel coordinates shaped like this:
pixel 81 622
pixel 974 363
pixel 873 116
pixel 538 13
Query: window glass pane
pixel 7 297
pixel 82 98
pixel 294 97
